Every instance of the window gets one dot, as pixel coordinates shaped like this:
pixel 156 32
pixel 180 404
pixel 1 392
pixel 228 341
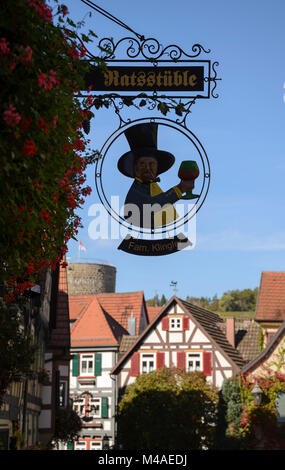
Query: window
pixel 87 364
pixel 175 323
pixel 147 363
pixel 63 394
pixel 79 406
pixel 95 407
pixel 96 445
pixel 80 445
pixel 194 361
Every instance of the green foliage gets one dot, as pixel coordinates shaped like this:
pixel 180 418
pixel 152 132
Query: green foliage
pixel 156 301
pixel 67 425
pixel 41 141
pixel 259 423
pixel 168 409
pixel 17 348
pixel 205 302
pixel 238 301
pixel 231 301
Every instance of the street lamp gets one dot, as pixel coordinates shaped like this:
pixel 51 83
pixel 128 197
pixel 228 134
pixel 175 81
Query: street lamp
pixel 257 393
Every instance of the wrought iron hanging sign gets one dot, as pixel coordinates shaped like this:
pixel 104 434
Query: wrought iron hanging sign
pixel 157 77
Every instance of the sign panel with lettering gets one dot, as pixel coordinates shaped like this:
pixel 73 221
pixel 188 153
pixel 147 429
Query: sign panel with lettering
pixel 147 79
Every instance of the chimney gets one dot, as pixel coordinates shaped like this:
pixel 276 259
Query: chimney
pixel 230 330
pixel 132 325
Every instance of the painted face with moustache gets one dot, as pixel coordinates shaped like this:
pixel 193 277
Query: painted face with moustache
pixel 146 169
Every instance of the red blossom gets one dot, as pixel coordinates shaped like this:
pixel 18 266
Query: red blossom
pixel 37 185
pixel 42 9
pixel 4 46
pixel 44 215
pixel 43 125
pixel 26 57
pixel 29 148
pixel 11 116
pixel 79 145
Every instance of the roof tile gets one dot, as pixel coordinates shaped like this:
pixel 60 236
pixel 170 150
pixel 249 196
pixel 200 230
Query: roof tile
pixel 271 298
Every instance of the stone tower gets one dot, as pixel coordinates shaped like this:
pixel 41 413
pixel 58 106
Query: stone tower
pixel 90 278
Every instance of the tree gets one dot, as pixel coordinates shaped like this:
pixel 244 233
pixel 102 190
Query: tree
pixel 41 138
pixel 168 409
pixel 238 301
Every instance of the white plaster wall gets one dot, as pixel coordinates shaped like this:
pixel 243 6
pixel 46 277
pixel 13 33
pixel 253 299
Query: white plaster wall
pixel 46 395
pixel 104 380
pixel 199 337
pixel 45 419
pixel 107 360
pixel 175 337
pixel 152 338
pixel 222 360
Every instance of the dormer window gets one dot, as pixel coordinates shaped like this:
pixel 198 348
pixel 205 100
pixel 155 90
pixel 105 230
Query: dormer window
pixel 175 324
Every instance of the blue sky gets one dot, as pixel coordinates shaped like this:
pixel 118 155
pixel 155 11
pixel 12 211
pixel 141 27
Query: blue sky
pixel 240 229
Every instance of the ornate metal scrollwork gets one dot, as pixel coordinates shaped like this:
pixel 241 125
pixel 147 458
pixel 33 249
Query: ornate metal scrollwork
pixel 149 48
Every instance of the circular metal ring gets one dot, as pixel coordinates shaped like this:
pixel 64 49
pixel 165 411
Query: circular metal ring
pixel 205 185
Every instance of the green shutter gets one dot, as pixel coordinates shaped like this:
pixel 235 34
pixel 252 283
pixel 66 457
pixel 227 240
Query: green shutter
pixel 98 362
pixel 75 365
pixel 104 407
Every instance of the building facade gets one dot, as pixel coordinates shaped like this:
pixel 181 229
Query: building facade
pixel 181 336
pixel 98 324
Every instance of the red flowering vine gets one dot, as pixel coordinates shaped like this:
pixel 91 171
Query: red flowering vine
pixel 44 152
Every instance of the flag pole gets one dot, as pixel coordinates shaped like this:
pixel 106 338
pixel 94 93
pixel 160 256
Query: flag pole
pixel 78 250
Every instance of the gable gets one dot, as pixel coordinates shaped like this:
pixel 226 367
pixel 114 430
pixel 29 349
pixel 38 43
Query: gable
pixel 176 329
pixel 271 359
pixel 271 298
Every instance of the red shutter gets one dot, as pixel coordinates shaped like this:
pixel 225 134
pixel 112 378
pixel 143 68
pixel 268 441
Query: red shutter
pixel 135 365
pixel 185 323
pixel 159 360
pixel 165 324
pixel 207 361
pixel 181 360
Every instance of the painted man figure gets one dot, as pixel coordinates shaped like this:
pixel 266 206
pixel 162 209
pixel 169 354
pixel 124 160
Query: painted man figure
pixel 146 205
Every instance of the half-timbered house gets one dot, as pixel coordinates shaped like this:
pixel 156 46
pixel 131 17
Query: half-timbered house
pixel 184 336
pixel 98 322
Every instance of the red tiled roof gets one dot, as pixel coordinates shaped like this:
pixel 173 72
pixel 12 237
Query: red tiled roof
pixel 102 319
pixel 78 304
pixel 120 306
pixel 92 328
pixel 271 298
pixel 152 312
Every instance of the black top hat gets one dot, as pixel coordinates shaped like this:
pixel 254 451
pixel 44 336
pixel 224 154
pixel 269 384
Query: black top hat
pixel 142 139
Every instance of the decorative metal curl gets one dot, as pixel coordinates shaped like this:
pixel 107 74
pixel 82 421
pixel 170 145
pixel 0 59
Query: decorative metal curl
pixel 214 80
pixel 149 48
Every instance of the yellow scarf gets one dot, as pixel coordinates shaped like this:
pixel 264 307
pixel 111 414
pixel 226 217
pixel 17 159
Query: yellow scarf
pixel 165 216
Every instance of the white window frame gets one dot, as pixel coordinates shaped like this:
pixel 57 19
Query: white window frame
pixel 78 445
pixel 80 407
pixel 89 358
pixel 96 445
pixel 146 359
pixel 195 356
pixel 91 403
pixel 175 323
